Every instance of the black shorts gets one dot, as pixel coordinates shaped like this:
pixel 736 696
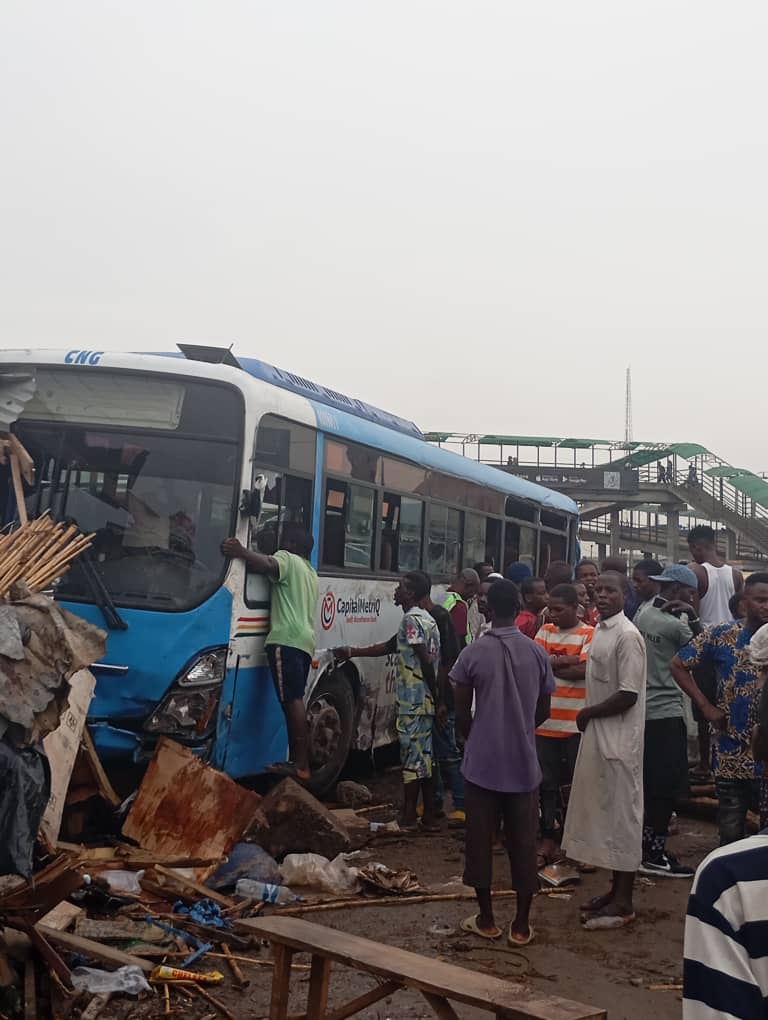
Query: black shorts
pixel 290 669
pixel 665 759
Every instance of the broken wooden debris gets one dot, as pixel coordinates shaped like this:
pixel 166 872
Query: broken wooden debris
pixel 296 822
pixel 160 819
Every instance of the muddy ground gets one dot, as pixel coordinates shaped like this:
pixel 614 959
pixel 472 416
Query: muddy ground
pixel 610 969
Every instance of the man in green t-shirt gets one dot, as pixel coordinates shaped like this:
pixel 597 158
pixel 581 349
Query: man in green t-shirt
pixel 667 623
pixel 291 639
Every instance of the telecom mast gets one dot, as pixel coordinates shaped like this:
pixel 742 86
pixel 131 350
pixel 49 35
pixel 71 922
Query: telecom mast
pixel 628 408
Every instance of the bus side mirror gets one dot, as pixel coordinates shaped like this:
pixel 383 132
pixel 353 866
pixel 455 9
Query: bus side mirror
pixel 250 503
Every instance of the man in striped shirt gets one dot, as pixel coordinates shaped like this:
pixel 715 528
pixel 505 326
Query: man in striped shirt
pixel 566 640
pixel 725 974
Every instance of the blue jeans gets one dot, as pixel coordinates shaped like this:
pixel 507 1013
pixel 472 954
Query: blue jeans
pixel 448 760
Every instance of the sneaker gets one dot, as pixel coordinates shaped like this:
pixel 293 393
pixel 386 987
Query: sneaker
pixel 667 866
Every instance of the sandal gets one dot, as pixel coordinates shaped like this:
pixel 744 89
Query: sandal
pixel 516 940
pixel 469 925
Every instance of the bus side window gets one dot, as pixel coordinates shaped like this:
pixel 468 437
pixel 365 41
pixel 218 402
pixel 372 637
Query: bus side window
pixel 348 527
pixel 401 520
pixel 443 541
pixel 287 500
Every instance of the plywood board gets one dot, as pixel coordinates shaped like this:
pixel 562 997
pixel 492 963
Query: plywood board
pixel 62 747
pixel 186 808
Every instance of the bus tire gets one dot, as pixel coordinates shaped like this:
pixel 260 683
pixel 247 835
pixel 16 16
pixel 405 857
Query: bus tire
pixel 330 726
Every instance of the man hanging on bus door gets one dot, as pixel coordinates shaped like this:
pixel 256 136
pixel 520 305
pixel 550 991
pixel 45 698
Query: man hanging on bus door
pixel 291 640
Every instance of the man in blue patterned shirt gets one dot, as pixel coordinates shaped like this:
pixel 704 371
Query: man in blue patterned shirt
pixel 733 716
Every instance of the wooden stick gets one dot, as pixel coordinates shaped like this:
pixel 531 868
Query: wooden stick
pixel 166 1000
pixel 664 988
pixel 214 1002
pixel 234 966
pixel 18 490
pixel 387 901
pixel 373 807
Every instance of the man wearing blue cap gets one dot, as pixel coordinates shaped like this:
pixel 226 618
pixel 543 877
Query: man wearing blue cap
pixel 667 622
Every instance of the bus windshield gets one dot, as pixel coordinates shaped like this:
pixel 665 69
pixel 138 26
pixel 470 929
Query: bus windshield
pixel 159 500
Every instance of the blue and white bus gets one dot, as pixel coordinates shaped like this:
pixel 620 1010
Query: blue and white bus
pixel 163 456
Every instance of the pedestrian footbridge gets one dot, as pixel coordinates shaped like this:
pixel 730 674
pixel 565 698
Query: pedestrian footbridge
pixel 637 498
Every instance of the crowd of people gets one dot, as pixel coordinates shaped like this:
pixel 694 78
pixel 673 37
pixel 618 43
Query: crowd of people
pixel 554 712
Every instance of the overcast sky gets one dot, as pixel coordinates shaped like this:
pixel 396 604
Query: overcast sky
pixel 475 214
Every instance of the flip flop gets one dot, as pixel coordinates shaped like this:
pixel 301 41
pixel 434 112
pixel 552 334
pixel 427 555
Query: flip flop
pixel 521 940
pixel 607 922
pixel 469 925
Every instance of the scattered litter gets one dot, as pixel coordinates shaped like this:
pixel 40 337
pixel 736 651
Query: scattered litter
pixel 125 980
pixel 440 930
pixel 205 912
pixel 381 827
pixel 558 875
pixel 162 974
pixel 246 860
pixel 315 872
pixel 122 883
pixel 266 892
pixel 381 878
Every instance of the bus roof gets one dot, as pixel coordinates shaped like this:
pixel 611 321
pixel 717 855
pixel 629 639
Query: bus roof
pixel 363 423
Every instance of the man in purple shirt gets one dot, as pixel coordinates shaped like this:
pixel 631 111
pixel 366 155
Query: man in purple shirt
pixel 511 680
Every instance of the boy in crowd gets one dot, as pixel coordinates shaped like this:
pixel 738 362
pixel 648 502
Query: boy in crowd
pixel 566 641
pixel 734 712
pixel 667 622
pixel 533 591
pixel 587 574
pixel 645 587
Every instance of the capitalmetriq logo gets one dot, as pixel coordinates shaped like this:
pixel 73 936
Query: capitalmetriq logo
pixel 328 610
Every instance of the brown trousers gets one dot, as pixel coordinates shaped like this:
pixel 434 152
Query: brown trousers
pixel 520 814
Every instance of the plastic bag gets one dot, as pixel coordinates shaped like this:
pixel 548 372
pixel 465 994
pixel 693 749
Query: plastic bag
pixel 316 872
pixel 128 980
pixel 247 860
pixel 125 882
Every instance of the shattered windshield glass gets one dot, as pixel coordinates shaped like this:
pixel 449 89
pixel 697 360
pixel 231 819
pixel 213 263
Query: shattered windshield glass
pixel 159 500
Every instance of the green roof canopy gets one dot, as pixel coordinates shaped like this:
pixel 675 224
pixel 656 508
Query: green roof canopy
pixel 518 440
pixel 688 450
pixel 582 444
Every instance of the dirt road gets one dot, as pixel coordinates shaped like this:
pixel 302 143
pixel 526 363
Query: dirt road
pixel 609 969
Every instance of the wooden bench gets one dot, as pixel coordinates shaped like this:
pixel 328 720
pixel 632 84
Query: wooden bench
pixel 396 968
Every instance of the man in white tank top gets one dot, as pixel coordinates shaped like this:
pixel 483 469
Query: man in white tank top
pixel 718 581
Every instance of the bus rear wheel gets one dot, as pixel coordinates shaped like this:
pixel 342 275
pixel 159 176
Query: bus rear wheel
pixel 330 721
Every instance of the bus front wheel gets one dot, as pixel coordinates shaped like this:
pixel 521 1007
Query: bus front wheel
pixel 330 721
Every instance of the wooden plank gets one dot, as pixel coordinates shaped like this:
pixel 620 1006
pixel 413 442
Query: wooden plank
pixel 95 950
pixel 183 882
pixel 441 1007
pixel 62 916
pixel 186 808
pixel 96 1006
pixel 513 1001
pixel 319 983
pixel 30 992
pixel 362 1002
pixel 106 790
pixel 281 983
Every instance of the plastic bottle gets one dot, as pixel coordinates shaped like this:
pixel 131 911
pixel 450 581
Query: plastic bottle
pixel 279 894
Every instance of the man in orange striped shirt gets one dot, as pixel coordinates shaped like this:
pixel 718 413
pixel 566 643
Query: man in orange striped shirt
pixel 566 641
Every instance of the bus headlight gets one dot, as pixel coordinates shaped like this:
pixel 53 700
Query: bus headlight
pixel 208 668
pixel 189 708
pixel 186 713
